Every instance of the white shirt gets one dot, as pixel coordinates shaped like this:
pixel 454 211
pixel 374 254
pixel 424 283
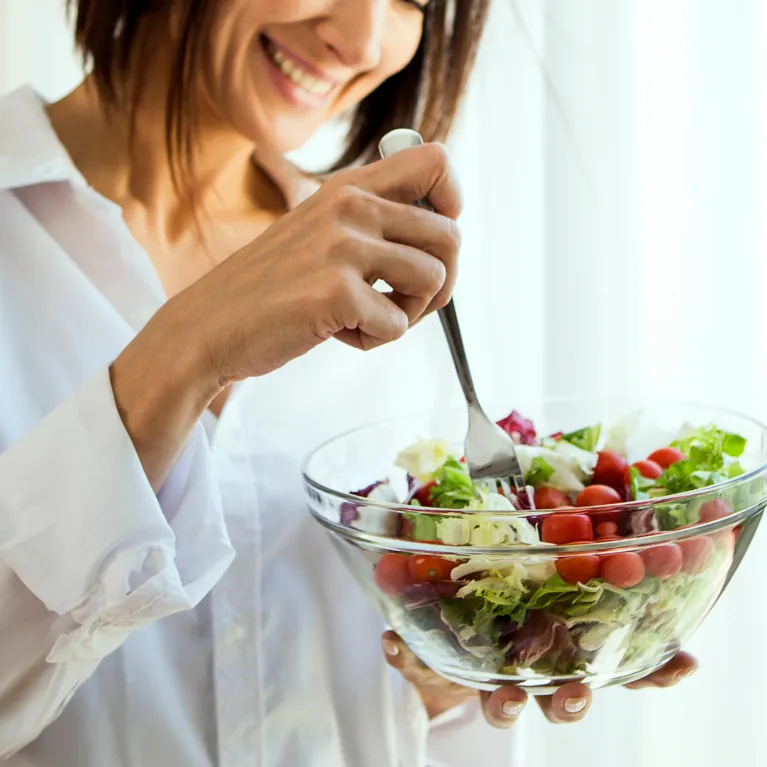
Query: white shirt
pixel 130 633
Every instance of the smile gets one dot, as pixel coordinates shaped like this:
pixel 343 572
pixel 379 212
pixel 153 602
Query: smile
pixel 289 67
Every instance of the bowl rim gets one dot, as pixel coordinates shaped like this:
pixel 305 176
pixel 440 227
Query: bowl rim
pixel 402 508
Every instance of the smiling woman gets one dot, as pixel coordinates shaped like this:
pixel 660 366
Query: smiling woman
pixel 279 69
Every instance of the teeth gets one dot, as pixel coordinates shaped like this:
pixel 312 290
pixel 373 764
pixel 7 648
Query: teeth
pixel 297 75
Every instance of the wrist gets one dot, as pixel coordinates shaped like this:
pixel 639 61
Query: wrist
pixel 162 383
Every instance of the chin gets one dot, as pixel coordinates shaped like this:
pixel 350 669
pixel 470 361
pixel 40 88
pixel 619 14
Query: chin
pixel 278 128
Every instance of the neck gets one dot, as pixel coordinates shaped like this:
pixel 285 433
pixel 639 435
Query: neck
pixel 132 168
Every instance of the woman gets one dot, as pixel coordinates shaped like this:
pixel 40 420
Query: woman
pixel 131 471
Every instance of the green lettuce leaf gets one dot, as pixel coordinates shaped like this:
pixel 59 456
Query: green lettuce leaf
pixel 639 484
pixel 586 438
pixel 596 599
pixel 454 489
pixel 707 446
pixel 670 516
pixel 423 526
pixel 540 472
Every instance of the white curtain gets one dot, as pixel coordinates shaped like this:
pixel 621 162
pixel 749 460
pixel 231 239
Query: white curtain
pixel 614 160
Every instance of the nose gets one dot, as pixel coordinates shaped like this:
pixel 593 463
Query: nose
pixel 354 31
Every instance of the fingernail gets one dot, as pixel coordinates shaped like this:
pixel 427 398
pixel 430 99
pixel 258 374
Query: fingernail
pixel 389 647
pixel 575 705
pixel 512 708
pixel 684 673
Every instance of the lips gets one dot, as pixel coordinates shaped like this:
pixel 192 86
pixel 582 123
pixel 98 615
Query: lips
pixel 289 66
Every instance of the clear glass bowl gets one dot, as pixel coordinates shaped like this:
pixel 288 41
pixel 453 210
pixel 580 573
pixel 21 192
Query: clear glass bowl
pixel 592 632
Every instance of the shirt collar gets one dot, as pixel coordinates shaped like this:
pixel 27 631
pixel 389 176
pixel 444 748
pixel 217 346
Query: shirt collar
pixel 30 151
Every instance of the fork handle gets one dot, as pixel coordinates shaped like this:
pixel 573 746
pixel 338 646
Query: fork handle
pixel 392 143
pixel 452 329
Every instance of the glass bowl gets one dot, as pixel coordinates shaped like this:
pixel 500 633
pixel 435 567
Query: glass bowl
pixel 489 604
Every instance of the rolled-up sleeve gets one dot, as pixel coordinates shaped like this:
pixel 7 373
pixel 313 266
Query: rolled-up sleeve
pixel 89 553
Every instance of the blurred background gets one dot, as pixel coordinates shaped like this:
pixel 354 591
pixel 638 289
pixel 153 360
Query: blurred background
pixel 614 159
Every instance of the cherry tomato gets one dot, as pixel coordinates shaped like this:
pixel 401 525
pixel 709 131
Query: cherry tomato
pixel 696 553
pixel 609 515
pixel 610 469
pixel 623 570
pixel 578 569
pixel 429 569
pixel 606 530
pixel 597 495
pixel 662 561
pixel 716 509
pixel 648 469
pixel 566 528
pixel 423 494
pixel 666 456
pixel 392 574
pixel 550 498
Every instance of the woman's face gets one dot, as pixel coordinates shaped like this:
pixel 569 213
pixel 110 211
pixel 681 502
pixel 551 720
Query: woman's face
pixel 278 69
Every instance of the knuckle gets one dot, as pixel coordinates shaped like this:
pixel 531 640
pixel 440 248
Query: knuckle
pixel 352 203
pixel 453 237
pixel 436 276
pixel 339 242
pixel 438 156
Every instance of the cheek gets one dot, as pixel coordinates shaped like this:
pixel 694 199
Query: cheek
pixel 396 54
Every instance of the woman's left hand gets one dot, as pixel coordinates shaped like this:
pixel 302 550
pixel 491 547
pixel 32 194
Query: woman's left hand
pixel 502 707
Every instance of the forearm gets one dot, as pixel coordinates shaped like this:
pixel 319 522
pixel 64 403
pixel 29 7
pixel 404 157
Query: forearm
pixel 162 384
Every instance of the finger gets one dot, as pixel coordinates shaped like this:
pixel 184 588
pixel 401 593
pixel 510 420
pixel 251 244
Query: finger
pixel 415 276
pixel 412 175
pixel 431 233
pixel 678 668
pixel 437 693
pixel 400 656
pixel 503 706
pixel 370 319
pixel 568 704
pixel 422 230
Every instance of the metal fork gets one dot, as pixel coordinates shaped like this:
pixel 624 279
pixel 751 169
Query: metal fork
pixel 489 451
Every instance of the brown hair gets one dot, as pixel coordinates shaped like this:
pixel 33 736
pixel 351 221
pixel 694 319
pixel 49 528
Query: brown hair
pixel 425 95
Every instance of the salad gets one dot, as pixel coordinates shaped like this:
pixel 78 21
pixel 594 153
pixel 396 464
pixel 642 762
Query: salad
pixel 538 614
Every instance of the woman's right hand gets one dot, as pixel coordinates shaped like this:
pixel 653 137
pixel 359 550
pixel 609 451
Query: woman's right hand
pixel 307 279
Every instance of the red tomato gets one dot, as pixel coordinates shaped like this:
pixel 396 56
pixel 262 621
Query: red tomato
pixel 648 469
pixel 423 495
pixel 606 530
pixel 429 569
pixel 578 569
pixel 610 515
pixel 716 509
pixel 662 561
pixel 667 456
pixel 623 570
pixel 392 574
pixel 696 553
pixel 610 469
pixel 597 495
pixel 550 498
pixel 566 528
